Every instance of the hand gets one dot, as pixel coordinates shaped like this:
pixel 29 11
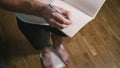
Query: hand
pixel 55 19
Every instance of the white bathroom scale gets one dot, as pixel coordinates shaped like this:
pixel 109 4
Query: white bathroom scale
pixel 57 62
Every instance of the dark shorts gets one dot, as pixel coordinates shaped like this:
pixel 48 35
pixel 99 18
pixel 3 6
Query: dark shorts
pixel 38 35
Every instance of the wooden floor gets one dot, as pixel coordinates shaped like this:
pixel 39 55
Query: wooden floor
pixel 97 45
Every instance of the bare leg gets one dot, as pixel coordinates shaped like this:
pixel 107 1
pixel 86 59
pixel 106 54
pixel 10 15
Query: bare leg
pixel 57 41
pixel 46 58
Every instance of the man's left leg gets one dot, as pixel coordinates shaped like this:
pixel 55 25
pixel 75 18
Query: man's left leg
pixel 57 42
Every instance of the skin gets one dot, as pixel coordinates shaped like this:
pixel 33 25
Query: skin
pixel 53 18
pixel 57 42
pixel 40 9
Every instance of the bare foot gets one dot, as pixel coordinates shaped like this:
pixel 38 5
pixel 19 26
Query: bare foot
pixel 63 55
pixel 46 59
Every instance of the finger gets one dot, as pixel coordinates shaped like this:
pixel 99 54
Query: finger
pixel 61 19
pixel 67 14
pixel 54 23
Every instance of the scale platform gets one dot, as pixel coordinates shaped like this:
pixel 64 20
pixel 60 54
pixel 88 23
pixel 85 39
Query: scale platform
pixel 57 62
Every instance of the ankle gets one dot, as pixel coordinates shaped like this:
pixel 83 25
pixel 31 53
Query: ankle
pixel 57 47
pixel 45 50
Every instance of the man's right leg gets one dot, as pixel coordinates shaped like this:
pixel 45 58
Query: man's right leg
pixel 39 39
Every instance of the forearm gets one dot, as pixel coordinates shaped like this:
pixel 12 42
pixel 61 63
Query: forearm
pixel 38 8
pixel 23 6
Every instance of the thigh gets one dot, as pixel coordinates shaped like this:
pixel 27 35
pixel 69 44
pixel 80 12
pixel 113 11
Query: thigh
pixel 37 37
